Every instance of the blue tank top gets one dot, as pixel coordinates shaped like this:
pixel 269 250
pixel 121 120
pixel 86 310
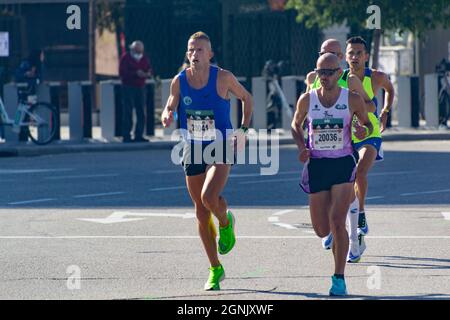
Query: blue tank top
pixel 203 113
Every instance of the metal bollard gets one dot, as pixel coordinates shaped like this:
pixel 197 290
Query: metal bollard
pixel 107 110
pixel 432 100
pixel 404 102
pixel 259 92
pixel 75 111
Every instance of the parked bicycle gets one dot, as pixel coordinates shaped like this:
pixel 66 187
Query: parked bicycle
pixel 39 118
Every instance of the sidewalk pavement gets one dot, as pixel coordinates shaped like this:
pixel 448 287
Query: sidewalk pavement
pixel 97 144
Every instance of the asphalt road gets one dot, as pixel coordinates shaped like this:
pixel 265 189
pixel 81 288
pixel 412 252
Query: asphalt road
pixel 120 225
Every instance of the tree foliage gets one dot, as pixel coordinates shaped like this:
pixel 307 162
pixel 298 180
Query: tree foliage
pixel 416 16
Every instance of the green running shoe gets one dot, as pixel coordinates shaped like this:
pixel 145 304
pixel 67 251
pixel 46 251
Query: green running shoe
pixel 227 237
pixel 216 274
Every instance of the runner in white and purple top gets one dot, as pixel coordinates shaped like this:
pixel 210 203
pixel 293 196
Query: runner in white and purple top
pixel 329 163
pixel 330 137
pixel 329 128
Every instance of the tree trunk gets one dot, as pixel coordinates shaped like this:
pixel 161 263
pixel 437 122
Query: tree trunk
pixel 376 48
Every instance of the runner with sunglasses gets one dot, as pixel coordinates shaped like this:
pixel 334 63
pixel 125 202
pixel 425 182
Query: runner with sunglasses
pixel 329 171
pixel 353 83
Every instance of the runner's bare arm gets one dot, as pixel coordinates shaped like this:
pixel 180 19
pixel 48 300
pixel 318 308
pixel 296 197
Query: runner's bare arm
pixel 238 90
pixel 297 122
pixel 384 82
pixel 172 103
pixel 355 84
pixel 358 108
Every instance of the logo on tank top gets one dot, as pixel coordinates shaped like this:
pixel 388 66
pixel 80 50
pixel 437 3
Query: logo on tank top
pixel 315 108
pixel 341 106
pixel 326 115
pixel 187 100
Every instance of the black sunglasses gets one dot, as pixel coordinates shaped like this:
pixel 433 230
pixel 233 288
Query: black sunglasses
pixel 325 72
pixel 323 52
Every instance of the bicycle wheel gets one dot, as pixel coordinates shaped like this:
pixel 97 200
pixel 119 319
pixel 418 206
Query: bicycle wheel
pixel 42 121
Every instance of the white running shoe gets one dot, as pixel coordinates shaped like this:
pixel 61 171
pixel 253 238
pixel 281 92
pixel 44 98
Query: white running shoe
pixel 362 244
pixel 354 254
pixel 327 242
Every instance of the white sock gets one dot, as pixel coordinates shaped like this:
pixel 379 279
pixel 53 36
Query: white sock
pixel 352 216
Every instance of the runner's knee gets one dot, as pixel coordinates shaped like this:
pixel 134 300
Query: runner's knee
pixel 322 231
pixel 337 223
pixel 210 200
pixel 203 216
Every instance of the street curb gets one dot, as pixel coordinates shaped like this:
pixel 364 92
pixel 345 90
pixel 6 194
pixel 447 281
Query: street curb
pixel 30 150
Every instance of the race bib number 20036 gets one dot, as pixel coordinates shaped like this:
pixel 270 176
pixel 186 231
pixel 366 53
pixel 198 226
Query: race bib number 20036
pixel 328 134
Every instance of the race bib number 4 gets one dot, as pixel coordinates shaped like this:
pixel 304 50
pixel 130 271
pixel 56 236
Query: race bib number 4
pixel 328 134
pixel 201 125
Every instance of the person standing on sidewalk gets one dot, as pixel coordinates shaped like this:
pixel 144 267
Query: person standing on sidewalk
pixel 134 69
pixel 200 95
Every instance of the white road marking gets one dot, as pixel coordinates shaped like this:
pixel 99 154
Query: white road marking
pixel 197 237
pixel 299 171
pixel 274 219
pixel 446 215
pixel 424 192
pixel 27 171
pixel 375 197
pixel 168 188
pixel 270 180
pixel 99 194
pixel 285 225
pixel 280 213
pixel 82 176
pixel 390 173
pixel 31 201
pixel 119 216
pixel 245 175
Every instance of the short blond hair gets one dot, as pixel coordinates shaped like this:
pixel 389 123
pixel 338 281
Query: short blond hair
pixel 200 35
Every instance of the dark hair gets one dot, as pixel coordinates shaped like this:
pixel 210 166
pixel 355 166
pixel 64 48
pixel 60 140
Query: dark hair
pixel 358 39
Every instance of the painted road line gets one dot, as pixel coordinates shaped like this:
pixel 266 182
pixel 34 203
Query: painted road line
pixel 28 171
pixel 269 180
pixel 246 175
pixel 375 197
pixel 197 237
pixel 86 176
pixel 168 188
pixel 374 174
pixel 424 192
pixel 99 194
pixel 31 201
pixel 119 216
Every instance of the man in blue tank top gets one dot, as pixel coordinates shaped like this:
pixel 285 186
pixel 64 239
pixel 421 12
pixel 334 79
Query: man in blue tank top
pixel 200 95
